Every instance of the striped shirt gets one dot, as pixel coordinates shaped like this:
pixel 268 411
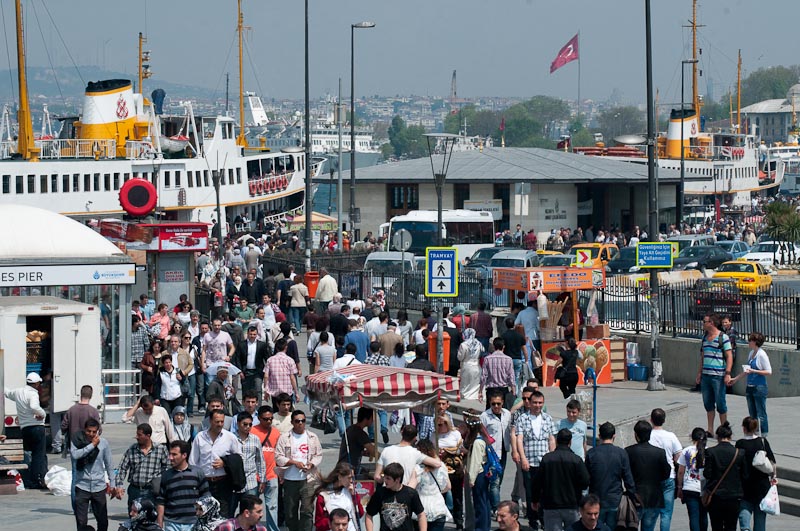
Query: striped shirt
pixel 713 350
pixel 179 490
pixel 254 469
pixel 140 468
pixel 497 371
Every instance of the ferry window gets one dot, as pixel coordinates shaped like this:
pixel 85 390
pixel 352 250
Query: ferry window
pixel 221 177
pixel 87 182
pixel 76 182
pixel 145 176
pixel 43 184
pixel 230 175
pixel 96 182
pixel 116 181
pixel 107 181
pixel 65 183
pixel 197 179
pixel 20 185
pixel 31 184
pixel 239 175
pixel 289 163
pixel 54 183
pixel 189 180
pixel 205 177
pixel 6 184
pixel 177 177
pixel 167 179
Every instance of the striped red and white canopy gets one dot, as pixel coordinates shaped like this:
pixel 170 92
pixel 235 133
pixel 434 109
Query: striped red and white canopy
pixel 382 387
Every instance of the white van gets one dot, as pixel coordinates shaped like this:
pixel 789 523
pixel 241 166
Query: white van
pixel 692 240
pixel 385 267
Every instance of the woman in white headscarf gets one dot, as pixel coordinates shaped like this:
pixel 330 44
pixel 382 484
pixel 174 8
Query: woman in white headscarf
pixel 469 354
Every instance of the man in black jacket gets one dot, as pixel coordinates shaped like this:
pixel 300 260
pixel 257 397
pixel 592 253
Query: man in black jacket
pixel 339 324
pixel 649 469
pixel 252 288
pixel 609 468
pixel 558 485
pixel 250 357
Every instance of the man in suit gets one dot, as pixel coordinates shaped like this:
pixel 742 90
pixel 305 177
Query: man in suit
pixel 649 469
pixel 339 324
pixel 251 354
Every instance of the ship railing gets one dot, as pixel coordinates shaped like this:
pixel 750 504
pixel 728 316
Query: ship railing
pixel 74 148
pixel 139 150
pixel 7 147
pixel 721 153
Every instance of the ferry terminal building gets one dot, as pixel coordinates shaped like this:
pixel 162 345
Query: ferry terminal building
pixel 536 188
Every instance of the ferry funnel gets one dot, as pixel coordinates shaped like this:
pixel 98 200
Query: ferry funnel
pixel 110 111
pixel 686 118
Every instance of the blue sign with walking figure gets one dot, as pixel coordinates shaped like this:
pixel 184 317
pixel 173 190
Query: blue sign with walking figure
pixel 441 272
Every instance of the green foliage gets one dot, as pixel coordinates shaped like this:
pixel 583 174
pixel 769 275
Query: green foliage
pixel 783 225
pixel 768 83
pixel 621 121
pixel 405 141
pixel 583 137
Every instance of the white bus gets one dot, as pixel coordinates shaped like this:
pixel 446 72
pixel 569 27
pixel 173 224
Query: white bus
pixel 466 230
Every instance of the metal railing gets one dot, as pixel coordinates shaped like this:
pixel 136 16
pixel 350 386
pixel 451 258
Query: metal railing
pixel 121 388
pixel 681 308
pixel 68 148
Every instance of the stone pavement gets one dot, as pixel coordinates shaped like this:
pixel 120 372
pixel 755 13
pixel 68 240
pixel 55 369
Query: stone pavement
pixel 622 400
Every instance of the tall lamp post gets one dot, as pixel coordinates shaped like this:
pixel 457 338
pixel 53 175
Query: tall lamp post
pixel 440 150
pixel 656 380
pixel 353 28
pixel 308 203
pixel 679 206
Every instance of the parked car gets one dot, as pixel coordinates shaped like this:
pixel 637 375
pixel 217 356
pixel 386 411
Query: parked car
pixel 515 258
pixel 715 295
pixel 700 257
pixel 769 253
pixel 481 257
pixel 624 262
pixel 750 277
pixel 558 260
pixel 737 248
pixel 692 240
pixel 385 267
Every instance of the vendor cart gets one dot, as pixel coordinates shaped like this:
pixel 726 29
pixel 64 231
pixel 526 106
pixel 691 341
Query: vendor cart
pixel 565 282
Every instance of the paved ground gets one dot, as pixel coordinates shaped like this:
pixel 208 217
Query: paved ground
pixel 619 401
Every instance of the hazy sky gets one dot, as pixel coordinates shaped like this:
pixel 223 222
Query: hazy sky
pixel 498 47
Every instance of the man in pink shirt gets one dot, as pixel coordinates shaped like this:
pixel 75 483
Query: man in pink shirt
pixel 280 374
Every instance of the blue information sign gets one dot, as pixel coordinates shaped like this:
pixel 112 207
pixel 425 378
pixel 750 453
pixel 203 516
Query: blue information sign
pixel 654 254
pixel 441 272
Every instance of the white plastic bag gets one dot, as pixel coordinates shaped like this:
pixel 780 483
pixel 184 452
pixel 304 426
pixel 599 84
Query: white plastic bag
pixel 58 480
pixel 770 503
pixel 762 463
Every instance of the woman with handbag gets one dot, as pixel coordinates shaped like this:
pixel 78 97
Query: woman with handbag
pixel 689 480
pixel 758 475
pixel 336 491
pixel 723 473
pixel 432 483
pixel 756 373
pixel 449 441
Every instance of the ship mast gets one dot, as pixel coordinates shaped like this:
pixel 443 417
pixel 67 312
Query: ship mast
pixel 144 59
pixel 694 26
pixel 26 145
pixel 241 140
pixel 739 94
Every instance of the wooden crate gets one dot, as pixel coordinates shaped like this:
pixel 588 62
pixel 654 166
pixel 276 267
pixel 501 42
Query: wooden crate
pixel 618 359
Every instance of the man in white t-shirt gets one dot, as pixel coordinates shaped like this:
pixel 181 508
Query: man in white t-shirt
pixel 217 347
pixel 299 452
pixel 406 455
pixel 667 441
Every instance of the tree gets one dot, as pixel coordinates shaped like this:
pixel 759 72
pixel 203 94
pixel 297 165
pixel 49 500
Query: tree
pixel 406 141
pixel 783 225
pixel 620 121
pixel 769 83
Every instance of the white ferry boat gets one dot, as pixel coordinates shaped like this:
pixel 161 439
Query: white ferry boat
pixel 120 137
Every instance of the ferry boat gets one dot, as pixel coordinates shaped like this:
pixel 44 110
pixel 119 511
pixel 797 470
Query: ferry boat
pixel 121 136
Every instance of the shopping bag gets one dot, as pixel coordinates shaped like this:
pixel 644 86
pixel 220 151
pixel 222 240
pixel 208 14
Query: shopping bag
pixel 59 481
pixel 770 503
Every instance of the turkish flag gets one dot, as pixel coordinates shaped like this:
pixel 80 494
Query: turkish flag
pixel 503 123
pixel 567 54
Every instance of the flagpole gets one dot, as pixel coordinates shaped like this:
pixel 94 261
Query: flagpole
pixel 579 72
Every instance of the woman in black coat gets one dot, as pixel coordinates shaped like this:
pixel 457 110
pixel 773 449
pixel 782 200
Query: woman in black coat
pixel 755 483
pixel 724 507
pixel 568 378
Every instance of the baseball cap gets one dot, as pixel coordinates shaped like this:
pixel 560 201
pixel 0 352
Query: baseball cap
pixel 33 378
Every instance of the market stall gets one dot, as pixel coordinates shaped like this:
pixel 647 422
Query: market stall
pixel 386 388
pixel 564 316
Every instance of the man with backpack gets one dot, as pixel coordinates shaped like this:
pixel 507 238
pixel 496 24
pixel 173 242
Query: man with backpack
pixel 714 371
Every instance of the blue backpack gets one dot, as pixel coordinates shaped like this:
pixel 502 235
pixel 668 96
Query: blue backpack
pixel 493 466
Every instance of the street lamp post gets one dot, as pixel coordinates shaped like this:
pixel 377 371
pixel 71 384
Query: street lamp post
pixel 353 28
pixel 440 146
pixel 656 380
pixel 308 203
pixel 681 188
pixel 218 232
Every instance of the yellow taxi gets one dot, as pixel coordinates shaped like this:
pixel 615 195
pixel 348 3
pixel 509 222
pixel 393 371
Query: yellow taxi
pixel 543 252
pixel 595 255
pixel 751 277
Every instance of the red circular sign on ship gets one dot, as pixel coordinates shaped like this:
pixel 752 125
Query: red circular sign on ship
pixel 138 197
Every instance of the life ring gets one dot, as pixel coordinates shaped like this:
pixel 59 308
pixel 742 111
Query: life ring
pixel 260 186
pixel 284 182
pixel 272 185
pixel 253 187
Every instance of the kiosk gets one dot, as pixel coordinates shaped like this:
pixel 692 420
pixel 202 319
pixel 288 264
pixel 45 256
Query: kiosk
pixel 564 282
